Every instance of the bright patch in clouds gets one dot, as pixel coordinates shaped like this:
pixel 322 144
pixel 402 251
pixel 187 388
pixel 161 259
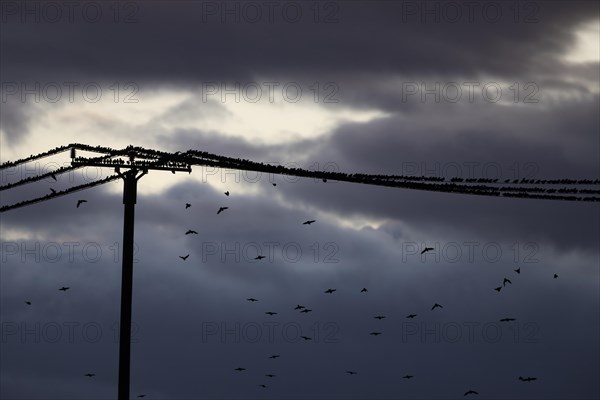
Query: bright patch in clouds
pixel 587 46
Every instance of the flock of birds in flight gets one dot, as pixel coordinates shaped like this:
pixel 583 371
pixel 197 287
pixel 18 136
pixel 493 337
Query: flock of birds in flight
pixel 304 309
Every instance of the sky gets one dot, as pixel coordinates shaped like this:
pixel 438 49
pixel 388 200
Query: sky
pixel 500 90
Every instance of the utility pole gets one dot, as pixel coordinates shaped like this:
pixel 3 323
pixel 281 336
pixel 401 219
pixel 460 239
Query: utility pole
pixel 130 179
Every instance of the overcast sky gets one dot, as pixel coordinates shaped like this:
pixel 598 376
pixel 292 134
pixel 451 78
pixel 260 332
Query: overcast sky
pixel 505 90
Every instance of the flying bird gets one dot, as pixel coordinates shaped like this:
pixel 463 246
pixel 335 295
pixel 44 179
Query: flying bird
pixel 411 315
pixel 308 222
pixel 64 289
pixel 330 291
pixel 375 333
pixel 28 303
pixel 426 249
pixel 351 372
pixel 555 276
pixel 518 270
pixel 498 289
pixel 274 356
pixel 187 205
pixel 507 319
pixel 263 386
pixel 191 232
pixel 252 299
pixel 436 305
pixel 407 376
pixel 240 369
pixel 364 290
pixel 227 193
pixel 80 202
pixel 259 257
pixel 306 310
pixel 90 375
pixel 470 392
pixel 299 307
pixel 306 338
pixel 270 375
pixel 184 257
pixel 379 317
pixel 274 184
pixel 270 313
pixel 528 379
pixel 221 209
pixel 505 281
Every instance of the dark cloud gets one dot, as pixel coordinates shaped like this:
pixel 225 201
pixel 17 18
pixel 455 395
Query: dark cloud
pixel 193 323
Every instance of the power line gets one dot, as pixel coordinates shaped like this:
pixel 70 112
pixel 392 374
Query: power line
pixel 60 193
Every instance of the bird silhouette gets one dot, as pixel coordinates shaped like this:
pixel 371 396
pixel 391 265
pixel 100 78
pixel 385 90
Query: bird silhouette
pixel 64 289
pixel 227 193
pixel 187 205
pixel 308 222
pixel 306 338
pixel 330 291
pixel 263 386
pixel 299 307
pixel 408 376
pixel 270 313
pixel 191 232
pixel 28 303
pixel 436 305
pixel 274 356
pixel 426 249
pixel 53 191
pixel 555 276
pixel 306 310
pixel 364 290
pixel 528 379
pixel 252 299
pixel 270 375
pixel 375 333
pixel 274 184
pixel 411 315
pixel 498 289
pixel 351 372
pixel 240 369
pixel 221 209
pixel 507 319
pixel 90 375
pixel 259 257
pixel 379 317
pixel 505 281
pixel 518 270
pixel 470 392
pixel 80 202
pixel 184 257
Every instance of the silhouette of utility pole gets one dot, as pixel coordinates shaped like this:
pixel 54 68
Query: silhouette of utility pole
pixel 136 169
